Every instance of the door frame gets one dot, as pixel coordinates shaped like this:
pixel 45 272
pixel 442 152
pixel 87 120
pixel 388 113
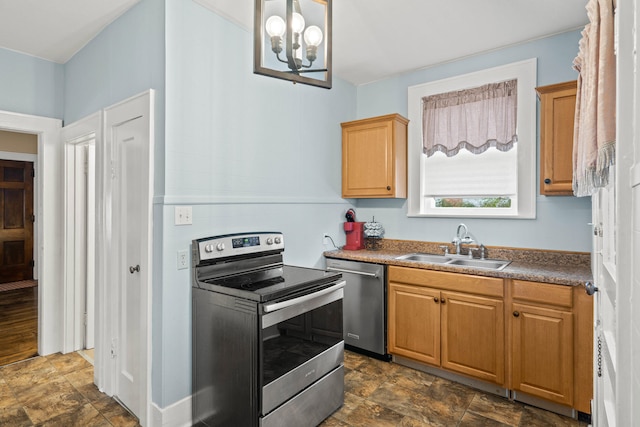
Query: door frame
pixel 107 263
pixel 48 212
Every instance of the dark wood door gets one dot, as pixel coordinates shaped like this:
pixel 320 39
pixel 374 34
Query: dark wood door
pixel 16 221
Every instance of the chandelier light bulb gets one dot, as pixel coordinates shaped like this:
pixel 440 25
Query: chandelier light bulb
pixel 313 36
pixel 275 26
pixel 297 23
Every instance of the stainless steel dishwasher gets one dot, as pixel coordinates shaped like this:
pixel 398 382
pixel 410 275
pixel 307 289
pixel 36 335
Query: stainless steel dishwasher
pixel 364 306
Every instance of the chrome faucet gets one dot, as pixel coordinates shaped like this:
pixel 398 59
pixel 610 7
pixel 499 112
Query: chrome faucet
pixel 461 238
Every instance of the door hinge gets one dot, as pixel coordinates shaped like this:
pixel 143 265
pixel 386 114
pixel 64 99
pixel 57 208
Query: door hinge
pixel 114 348
pixel 33 218
pixel 33 173
pixel 32 263
pixel 86 317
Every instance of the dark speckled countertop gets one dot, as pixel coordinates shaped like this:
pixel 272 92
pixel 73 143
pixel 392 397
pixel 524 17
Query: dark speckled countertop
pixel 547 266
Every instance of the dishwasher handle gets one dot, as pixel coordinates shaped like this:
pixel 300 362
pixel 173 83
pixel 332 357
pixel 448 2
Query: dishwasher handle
pixel 361 273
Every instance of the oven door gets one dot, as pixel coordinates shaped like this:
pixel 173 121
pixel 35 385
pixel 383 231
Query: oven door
pixel 302 342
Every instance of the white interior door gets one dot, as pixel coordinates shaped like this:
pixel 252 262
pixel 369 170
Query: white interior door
pixel 616 265
pixel 605 334
pixel 79 243
pixel 129 135
pixel 129 141
pixel 90 209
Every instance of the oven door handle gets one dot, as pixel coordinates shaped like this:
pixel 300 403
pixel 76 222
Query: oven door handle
pixel 288 303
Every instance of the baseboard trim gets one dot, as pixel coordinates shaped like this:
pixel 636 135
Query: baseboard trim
pixel 177 414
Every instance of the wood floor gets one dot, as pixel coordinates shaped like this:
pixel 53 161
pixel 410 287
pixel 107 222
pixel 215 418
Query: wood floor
pixel 18 325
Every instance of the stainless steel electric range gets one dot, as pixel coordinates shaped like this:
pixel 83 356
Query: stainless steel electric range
pixel 268 345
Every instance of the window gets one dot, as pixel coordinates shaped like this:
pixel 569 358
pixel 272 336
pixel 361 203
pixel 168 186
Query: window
pixel 494 182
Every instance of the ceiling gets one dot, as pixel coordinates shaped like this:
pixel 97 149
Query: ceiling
pixel 372 39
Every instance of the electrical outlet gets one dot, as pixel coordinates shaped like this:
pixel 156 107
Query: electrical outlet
pixel 183 259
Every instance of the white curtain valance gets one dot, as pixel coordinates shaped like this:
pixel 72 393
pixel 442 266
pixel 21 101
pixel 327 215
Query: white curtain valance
pixel 475 119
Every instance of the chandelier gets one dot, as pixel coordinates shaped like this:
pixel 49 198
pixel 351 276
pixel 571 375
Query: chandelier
pixel 292 41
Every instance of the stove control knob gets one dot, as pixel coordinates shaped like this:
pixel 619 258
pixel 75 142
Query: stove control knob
pixel 208 248
pixel 269 241
pixel 278 240
pixel 220 247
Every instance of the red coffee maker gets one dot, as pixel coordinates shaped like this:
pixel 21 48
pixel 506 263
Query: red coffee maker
pixel 354 232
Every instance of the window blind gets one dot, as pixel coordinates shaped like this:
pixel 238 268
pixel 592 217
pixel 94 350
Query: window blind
pixel 492 173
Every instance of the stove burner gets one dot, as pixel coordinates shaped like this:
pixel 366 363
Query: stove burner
pixel 251 281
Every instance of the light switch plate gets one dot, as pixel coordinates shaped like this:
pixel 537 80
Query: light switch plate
pixel 183 215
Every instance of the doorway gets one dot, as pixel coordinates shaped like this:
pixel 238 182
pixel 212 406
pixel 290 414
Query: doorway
pixel 79 166
pixel 18 287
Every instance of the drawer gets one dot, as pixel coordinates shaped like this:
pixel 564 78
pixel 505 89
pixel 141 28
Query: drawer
pixel 544 293
pixel 469 283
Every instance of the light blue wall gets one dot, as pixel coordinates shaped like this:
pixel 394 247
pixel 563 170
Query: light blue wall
pixel 561 222
pixel 125 59
pixel 249 153
pixel 30 85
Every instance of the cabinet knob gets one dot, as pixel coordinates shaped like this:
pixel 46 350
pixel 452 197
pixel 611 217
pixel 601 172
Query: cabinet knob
pixel 516 314
pixel 442 300
pixel 547 181
pixel 436 299
pixel 591 288
pixel 388 188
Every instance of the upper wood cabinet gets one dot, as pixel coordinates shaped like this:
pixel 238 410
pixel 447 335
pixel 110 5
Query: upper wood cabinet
pixel 557 111
pixel 374 157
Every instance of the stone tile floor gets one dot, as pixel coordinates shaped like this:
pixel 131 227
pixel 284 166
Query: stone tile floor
pixel 56 390
pixel 386 394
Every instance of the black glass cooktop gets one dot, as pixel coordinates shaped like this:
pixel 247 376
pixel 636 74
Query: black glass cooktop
pixel 271 284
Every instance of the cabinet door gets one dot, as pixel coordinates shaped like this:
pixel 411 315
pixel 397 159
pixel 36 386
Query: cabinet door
pixel 542 352
pixel 557 111
pixel 367 160
pixel 473 336
pixel 414 322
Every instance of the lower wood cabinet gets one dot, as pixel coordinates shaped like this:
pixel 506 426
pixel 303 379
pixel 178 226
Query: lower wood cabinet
pixel 433 318
pixel 529 337
pixel 552 342
pixel 473 335
pixel 542 352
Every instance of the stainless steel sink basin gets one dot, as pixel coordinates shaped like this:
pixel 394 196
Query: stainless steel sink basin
pixel 492 264
pixel 434 259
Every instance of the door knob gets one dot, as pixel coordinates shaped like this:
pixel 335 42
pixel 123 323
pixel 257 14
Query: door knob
pixel 547 181
pixel 436 299
pixel 133 269
pixel 516 314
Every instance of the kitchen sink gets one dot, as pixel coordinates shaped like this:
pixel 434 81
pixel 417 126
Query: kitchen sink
pixel 490 264
pixel 434 259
